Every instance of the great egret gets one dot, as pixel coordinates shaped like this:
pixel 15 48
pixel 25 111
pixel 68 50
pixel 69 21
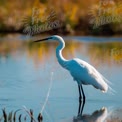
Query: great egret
pixel 81 71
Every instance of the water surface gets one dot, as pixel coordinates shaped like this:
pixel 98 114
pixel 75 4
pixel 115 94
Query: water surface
pixel 26 70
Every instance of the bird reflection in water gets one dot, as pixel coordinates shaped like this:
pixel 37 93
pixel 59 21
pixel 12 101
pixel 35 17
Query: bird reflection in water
pixel 96 116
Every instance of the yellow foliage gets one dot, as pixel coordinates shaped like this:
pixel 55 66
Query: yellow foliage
pixel 68 11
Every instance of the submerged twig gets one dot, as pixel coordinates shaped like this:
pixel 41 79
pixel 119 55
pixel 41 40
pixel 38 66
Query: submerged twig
pixel 10 116
pixel 14 117
pixel 29 113
pixel 4 115
pixel 20 117
pixel 40 118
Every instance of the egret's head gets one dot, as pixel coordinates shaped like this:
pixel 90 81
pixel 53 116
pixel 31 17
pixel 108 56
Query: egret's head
pixel 55 37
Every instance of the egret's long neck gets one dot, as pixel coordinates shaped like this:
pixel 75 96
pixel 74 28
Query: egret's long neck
pixel 62 61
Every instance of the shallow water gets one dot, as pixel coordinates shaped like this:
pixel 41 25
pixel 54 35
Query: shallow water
pixel 27 69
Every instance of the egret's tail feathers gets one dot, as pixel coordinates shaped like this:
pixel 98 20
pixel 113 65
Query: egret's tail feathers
pixel 111 91
pixel 107 81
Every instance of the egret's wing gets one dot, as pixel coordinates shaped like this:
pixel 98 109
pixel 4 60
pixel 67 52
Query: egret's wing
pixel 92 76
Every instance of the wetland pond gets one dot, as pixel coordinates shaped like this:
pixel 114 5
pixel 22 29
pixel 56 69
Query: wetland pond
pixel 27 69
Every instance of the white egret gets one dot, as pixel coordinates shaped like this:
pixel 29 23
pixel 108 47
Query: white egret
pixel 81 71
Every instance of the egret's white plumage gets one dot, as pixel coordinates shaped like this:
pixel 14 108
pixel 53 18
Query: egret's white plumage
pixel 81 71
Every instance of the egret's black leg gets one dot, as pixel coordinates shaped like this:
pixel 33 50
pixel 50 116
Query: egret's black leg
pixel 83 101
pixel 81 107
pixel 80 97
pixel 81 111
pixel 82 93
